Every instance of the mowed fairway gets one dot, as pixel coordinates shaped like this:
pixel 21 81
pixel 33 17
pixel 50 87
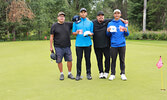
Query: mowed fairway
pixel 27 73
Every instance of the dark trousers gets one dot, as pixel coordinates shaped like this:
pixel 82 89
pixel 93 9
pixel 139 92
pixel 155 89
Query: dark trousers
pixel 99 56
pixel 79 53
pixel 114 52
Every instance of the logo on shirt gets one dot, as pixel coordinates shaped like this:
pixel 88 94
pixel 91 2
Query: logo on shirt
pixel 113 29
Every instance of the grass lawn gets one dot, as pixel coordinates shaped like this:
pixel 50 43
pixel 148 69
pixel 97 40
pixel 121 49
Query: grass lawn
pixel 27 73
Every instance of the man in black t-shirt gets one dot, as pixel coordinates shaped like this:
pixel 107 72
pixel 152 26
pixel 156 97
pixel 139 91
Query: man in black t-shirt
pixel 60 33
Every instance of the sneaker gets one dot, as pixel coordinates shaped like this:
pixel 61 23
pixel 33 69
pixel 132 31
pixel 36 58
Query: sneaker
pixel 101 75
pixel 89 77
pixel 71 76
pixel 123 77
pixel 77 78
pixel 112 77
pixel 61 77
pixel 105 75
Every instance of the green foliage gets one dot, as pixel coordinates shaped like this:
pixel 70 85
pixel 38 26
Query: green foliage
pixel 135 36
pixel 157 11
pixel 3 22
pixel 148 36
pixel 46 11
pixel 135 12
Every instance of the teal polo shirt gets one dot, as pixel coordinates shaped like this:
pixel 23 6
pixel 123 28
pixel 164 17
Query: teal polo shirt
pixel 84 25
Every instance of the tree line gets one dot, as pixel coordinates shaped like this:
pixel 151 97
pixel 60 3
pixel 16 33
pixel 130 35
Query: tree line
pixel 28 19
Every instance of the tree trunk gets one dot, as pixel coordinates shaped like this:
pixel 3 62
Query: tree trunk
pixel 144 15
pixel 39 33
pixel 14 34
pixel 8 34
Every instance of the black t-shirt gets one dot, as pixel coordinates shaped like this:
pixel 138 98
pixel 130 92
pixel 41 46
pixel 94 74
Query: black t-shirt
pixel 61 34
pixel 100 38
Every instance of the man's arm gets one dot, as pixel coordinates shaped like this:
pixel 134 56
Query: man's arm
pixel 108 33
pixel 126 32
pixel 51 42
pixel 124 21
pixel 91 29
pixel 51 37
pixel 74 30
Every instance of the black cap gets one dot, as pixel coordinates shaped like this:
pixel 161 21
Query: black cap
pixel 83 9
pixel 100 13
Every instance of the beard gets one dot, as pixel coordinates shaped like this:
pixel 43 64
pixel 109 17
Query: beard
pixel 100 20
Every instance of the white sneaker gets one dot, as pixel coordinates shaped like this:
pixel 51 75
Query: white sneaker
pixel 123 77
pixel 112 77
pixel 105 75
pixel 101 75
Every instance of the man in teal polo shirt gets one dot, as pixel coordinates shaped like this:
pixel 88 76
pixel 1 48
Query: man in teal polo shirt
pixel 83 30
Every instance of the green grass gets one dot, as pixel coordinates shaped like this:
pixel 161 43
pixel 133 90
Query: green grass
pixel 27 73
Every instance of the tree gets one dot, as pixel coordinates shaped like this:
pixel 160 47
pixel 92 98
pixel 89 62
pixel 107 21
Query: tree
pixel 157 14
pixel 16 11
pixel 3 23
pixel 135 12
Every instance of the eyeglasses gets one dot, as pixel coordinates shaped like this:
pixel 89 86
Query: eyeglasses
pixel 62 16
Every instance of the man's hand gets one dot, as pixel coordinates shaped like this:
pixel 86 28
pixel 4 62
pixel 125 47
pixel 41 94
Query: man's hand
pixel 77 32
pixel 125 29
pixel 108 29
pixel 90 34
pixel 124 21
pixel 51 49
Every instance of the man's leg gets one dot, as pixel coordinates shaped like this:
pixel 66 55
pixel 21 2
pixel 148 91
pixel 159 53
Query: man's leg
pixel 99 58
pixel 114 52
pixel 122 59
pixel 122 62
pixel 107 59
pixel 60 65
pixel 69 65
pixel 68 58
pixel 79 53
pixel 87 52
pixel 59 56
pixel 106 52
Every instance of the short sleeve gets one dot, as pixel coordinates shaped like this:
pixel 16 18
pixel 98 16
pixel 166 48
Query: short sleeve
pixel 52 31
pixel 74 29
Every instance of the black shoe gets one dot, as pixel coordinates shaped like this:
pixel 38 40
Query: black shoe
pixel 77 78
pixel 61 77
pixel 89 77
pixel 71 76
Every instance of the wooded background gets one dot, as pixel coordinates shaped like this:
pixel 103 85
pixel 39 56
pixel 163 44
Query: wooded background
pixel 32 19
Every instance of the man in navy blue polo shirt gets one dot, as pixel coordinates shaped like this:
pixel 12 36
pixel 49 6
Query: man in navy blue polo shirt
pixel 83 30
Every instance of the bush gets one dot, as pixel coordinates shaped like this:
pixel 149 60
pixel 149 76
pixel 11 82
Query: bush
pixel 147 36
pixel 135 36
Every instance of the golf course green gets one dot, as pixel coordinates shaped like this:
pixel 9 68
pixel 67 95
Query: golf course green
pixel 27 73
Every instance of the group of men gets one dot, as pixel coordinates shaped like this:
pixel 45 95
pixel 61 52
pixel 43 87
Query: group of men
pixel 108 37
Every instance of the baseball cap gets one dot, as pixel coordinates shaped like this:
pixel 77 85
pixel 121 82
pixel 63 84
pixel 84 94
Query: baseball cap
pixel 117 10
pixel 100 13
pixel 76 19
pixel 83 9
pixel 61 13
